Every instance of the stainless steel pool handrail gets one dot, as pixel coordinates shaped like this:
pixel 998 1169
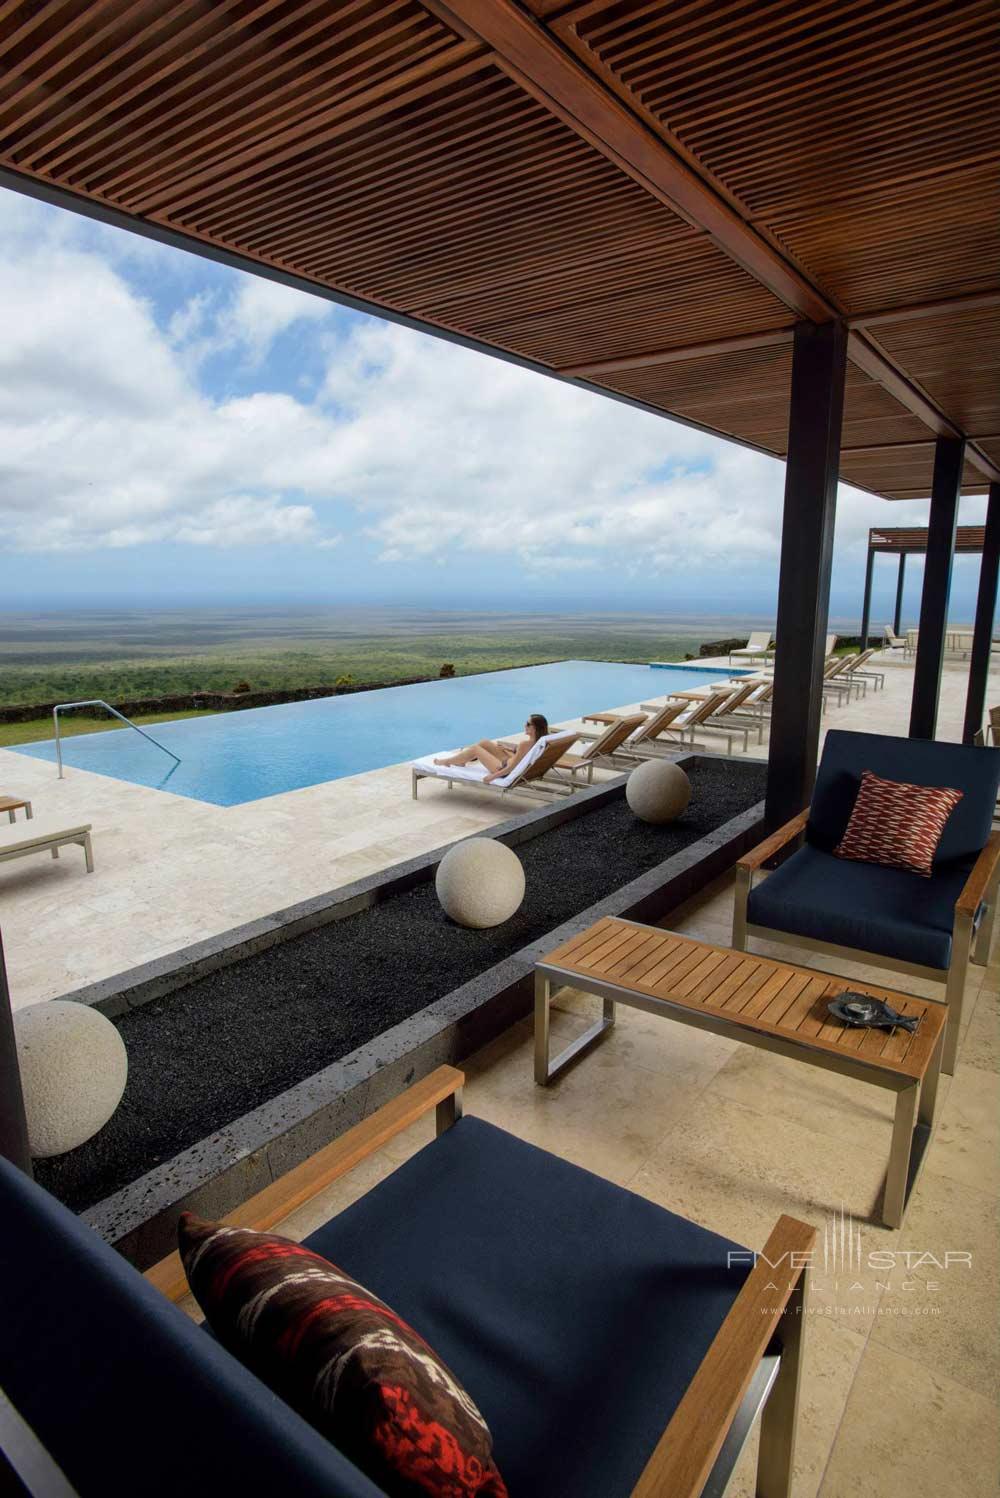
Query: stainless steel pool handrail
pixel 99 702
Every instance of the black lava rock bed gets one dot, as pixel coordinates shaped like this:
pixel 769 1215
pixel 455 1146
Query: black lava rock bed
pixel 220 1046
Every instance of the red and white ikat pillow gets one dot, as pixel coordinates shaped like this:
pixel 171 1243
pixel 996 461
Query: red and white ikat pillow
pixel 897 824
pixel 343 1359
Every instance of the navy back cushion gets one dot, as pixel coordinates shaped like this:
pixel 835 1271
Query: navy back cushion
pixel 974 772
pixel 127 1395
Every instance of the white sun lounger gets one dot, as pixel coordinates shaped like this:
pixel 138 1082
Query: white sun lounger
pixel 527 779
pixel 757 648
pixel 28 837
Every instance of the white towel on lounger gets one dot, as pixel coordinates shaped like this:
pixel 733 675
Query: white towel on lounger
pixel 426 765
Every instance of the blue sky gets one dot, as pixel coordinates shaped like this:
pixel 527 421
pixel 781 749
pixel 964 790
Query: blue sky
pixel 176 433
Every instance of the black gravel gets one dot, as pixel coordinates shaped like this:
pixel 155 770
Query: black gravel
pixel 213 1050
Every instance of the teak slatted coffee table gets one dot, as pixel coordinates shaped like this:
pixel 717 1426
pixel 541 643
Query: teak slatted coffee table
pixel 761 1002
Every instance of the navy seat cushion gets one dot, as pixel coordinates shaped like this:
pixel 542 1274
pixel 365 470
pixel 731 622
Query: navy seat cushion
pixel 574 1312
pixel 125 1392
pixel 975 772
pixel 885 911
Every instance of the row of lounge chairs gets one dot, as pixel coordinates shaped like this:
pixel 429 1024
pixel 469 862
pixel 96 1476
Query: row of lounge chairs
pixel 761 647
pixel 697 719
pixel 616 742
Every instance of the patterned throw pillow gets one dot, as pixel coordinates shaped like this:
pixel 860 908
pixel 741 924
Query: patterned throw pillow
pixel 897 824
pixel 343 1359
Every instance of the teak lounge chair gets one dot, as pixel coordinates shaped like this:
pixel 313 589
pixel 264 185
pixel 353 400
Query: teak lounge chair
pixel 708 712
pixel 602 750
pixel 835 683
pixel 614 1348
pixel 531 778
pixel 727 714
pixel 757 648
pixel 855 670
pixel 873 914
pixel 643 738
pixel 680 718
pixel 829 647
pixel 25 838
pixel 711 714
pixel 13 804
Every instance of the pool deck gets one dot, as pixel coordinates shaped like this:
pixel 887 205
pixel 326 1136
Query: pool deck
pixel 902 1367
pixel 171 871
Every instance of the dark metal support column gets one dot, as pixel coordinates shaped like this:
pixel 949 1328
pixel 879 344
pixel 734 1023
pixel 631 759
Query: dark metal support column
pixel 897 618
pixel 866 611
pixel 13 1124
pixel 816 407
pixel 948 455
pixel 986 605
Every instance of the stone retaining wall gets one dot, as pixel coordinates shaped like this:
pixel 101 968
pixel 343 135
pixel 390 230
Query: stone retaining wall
pixel 212 1176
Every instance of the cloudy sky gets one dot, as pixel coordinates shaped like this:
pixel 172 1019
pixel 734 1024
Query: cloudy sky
pixel 174 432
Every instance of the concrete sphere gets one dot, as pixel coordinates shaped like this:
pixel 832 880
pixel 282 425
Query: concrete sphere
pixel 658 791
pixel 73 1070
pixel 480 882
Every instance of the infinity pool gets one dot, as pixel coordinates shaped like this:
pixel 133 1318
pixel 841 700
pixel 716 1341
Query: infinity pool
pixel 235 757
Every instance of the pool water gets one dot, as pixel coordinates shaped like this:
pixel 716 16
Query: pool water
pixel 235 757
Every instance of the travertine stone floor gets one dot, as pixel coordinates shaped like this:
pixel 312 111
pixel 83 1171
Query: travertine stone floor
pixel 903 1367
pixel 172 871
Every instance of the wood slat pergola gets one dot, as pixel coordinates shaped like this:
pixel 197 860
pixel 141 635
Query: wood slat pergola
pixel 913 539
pixel 904 541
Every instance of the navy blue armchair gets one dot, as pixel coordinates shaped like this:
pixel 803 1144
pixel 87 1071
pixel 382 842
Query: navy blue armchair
pixel 613 1347
pixel 930 928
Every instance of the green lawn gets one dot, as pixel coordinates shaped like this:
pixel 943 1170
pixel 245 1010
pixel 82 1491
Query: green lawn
pixel 69 724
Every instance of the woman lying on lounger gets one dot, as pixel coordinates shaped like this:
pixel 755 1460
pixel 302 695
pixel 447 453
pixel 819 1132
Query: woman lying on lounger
pixel 499 758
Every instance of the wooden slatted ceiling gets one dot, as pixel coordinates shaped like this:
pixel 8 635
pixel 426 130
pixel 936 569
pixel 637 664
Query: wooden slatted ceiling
pixel 380 148
pixel 901 472
pixel 863 137
pixel 372 180
pixel 956 358
pixel 750 389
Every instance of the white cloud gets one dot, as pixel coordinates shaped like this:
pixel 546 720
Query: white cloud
pixel 107 437
pixel 261 310
pixel 448 452
pixel 105 440
pixel 244 325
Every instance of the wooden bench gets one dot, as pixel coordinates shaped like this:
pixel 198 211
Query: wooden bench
pixel 764 1003
pixel 12 804
pixel 20 841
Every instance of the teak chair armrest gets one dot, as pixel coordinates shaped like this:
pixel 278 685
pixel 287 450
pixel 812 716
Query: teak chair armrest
pixel 978 883
pixel 758 856
pixel 686 1452
pixel 441 1090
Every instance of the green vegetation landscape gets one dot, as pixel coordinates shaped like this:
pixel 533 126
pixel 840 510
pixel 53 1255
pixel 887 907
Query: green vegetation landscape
pixel 35 729
pixel 121 656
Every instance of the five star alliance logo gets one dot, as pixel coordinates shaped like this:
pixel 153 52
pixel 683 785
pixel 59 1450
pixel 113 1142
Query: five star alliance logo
pixel 842 1260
